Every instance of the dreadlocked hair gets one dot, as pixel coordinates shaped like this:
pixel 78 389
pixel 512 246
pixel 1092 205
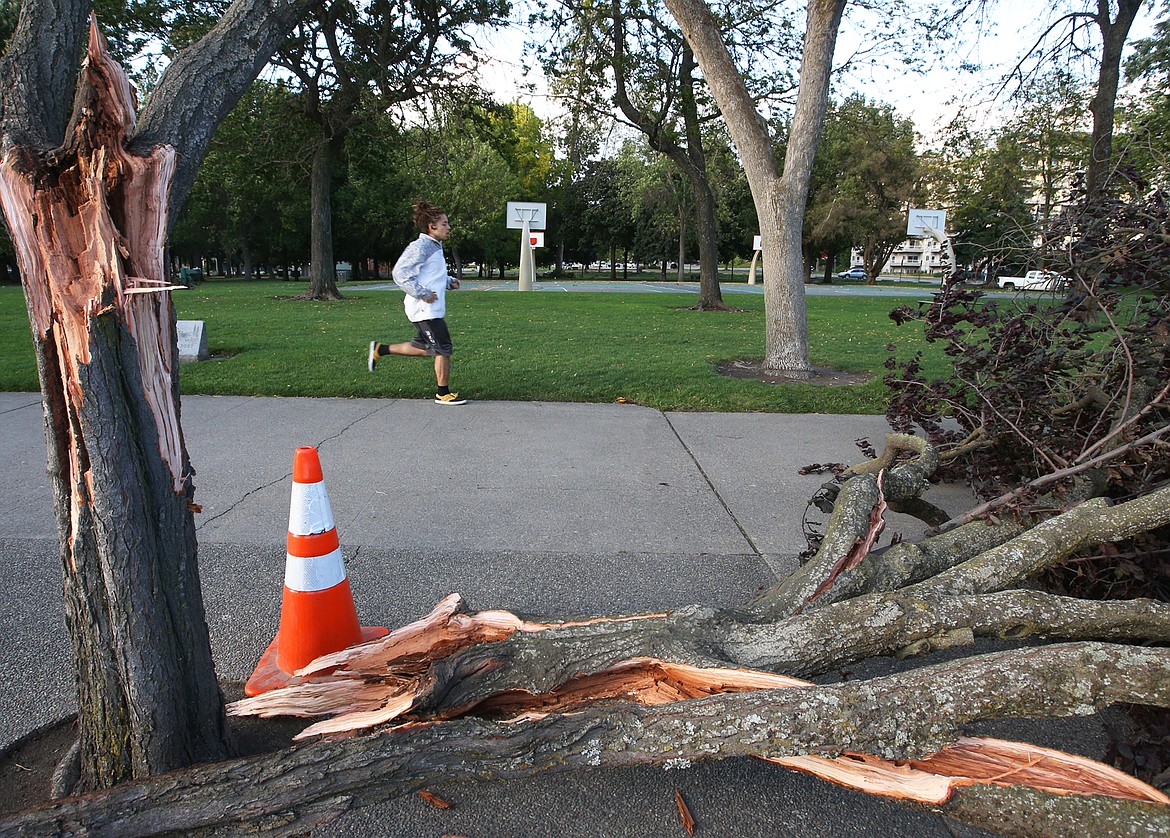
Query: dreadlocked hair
pixel 426 214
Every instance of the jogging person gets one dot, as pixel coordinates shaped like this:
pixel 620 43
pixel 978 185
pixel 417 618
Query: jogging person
pixel 421 271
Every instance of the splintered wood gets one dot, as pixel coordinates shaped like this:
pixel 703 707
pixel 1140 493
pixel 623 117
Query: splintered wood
pixel 684 812
pixel 384 680
pixel 434 799
pixel 89 234
pixel 863 545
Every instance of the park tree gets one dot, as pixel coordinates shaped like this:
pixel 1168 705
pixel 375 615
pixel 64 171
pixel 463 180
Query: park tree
pixel 1147 114
pixel 780 197
pixel 599 219
pixel 474 157
pixel 523 149
pixel 652 78
pixel 1098 31
pixel 372 198
pixel 90 188
pixel 1048 129
pixel 986 188
pixel 658 198
pixel 876 181
pixel 822 232
pixel 1005 186
pixel 348 56
pixel 883 180
pixel 249 202
pixel 737 216
pixel 1113 22
pixel 521 139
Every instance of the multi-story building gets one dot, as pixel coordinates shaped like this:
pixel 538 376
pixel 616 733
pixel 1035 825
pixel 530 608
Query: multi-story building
pixel 912 256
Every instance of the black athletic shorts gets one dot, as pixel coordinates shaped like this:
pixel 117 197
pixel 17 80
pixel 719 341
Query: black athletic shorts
pixel 432 336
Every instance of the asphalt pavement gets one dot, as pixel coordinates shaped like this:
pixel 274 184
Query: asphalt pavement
pixel 544 508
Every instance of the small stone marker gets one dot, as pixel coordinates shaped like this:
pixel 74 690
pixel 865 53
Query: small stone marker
pixel 192 340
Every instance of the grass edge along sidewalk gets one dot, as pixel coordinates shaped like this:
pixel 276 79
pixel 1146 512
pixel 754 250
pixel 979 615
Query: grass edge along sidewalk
pixel 645 349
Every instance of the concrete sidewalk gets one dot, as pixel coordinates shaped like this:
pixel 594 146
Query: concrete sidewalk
pixel 545 508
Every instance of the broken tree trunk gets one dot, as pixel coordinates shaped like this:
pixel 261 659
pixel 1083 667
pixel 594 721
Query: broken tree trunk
pixel 88 199
pixel 88 221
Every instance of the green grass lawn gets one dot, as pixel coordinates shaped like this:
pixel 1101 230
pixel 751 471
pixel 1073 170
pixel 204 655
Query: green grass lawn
pixel 591 347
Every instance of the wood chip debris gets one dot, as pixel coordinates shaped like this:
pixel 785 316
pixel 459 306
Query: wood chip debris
pixel 684 812
pixel 434 799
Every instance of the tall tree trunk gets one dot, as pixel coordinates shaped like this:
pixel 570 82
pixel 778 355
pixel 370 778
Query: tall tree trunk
pixel 89 222
pixel 710 297
pixel 1113 37
pixel 786 315
pixel 87 202
pixel 691 160
pixel 780 200
pixel 323 268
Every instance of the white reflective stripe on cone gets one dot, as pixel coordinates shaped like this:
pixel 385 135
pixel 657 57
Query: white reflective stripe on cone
pixel 316 574
pixel 309 512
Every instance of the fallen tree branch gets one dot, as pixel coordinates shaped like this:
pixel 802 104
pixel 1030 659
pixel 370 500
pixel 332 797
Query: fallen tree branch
pixel 862 548
pixel 539 660
pixel 908 562
pixel 1049 542
pixel 898 717
pixel 1029 813
pixel 847 526
pixel 926 460
pixel 1053 477
pixel 884 624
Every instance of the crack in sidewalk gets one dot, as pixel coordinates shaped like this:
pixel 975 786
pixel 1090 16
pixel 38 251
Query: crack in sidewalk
pixel 337 435
pixel 730 514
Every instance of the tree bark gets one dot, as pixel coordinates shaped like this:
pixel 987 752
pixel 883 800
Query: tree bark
pixel 780 199
pixel 323 269
pixel 907 716
pixel 86 199
pixel 710 297
pixel 106 353
pixel 1114 33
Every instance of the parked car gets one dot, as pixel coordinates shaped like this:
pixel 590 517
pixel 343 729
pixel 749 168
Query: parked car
pixel 1034 281
pixel 856 272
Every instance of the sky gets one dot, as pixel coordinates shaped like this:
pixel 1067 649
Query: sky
pixel 930 98
pixel 934 97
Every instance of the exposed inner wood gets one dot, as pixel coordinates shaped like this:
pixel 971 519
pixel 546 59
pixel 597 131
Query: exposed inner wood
pixel 384 680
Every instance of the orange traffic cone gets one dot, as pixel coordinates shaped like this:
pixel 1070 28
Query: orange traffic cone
pixel 317 615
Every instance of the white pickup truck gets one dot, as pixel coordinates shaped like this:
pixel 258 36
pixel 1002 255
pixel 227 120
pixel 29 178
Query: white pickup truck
pixel 1034 281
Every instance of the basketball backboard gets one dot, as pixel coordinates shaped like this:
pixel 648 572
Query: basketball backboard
pixel 519 212
pixel 919 219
